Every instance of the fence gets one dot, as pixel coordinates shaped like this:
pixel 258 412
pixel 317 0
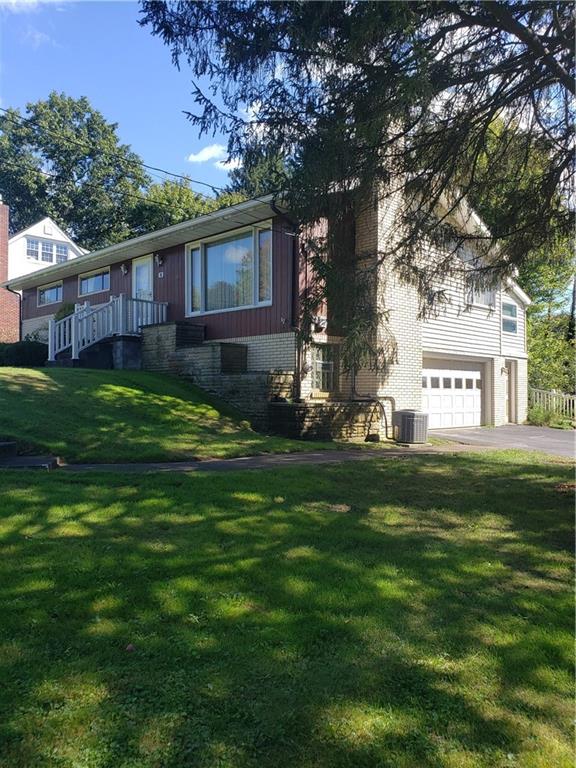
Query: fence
pixel 554 402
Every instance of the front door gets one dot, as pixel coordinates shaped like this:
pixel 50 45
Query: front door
pixel 142 278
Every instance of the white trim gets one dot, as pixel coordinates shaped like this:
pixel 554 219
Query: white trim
pixel 150 259
pixel 91 274
pixel 200 245
pixel 515 288
pixel 45 288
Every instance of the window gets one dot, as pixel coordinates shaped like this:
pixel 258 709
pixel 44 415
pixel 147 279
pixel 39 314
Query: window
pixel 50 294
pixel 230 273
pixel 435 382
pixel 457 383
pixel 509 318
pixel 94 283
pixel 265 265
pixel 32 248
pixel 324 367
pixel 61 253
pixel 47 252
pixel 424 382
pixel 484 297
pixel 469 383
pixel 447 383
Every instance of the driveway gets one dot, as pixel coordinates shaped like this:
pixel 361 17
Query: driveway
pixel 557 442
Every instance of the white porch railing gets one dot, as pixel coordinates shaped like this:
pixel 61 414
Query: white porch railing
pixel 555 402
pixel 88 325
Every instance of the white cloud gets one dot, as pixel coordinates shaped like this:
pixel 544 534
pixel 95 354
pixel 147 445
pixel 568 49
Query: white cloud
pixel 36 38
pixel 19 6
pixel 211 152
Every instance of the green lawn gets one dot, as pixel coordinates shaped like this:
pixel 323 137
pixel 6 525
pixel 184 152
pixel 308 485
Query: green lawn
pixel 412 613
pixel 126 416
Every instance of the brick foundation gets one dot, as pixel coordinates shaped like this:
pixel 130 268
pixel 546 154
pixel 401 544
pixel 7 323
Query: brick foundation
pixel 326 420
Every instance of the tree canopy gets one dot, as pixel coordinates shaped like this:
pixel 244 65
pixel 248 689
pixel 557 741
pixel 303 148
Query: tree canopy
pixel 64 160
pixel 349 93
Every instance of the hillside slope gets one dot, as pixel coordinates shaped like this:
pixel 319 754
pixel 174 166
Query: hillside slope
pixel 107 416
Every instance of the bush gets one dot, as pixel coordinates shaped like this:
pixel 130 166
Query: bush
pixel 23 354
pixel 64 311
pixel 540 417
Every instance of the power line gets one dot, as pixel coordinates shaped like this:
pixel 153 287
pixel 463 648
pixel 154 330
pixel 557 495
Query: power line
pixel 85 145
pixel 168 206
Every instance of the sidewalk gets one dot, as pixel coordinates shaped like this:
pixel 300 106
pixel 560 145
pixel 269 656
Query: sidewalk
pixel 269 461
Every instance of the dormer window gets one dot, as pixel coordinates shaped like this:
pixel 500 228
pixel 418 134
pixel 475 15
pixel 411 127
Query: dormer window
pixel 61 253
pixel 47 252
pixel 32 248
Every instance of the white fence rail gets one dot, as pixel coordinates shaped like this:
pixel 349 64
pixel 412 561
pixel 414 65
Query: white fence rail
pixel 121 316
pixel 555 402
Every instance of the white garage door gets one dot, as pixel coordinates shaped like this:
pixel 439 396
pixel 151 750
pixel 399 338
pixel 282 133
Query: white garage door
pixel 452 397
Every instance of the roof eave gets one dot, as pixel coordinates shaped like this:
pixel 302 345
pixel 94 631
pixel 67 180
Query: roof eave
pixel 233 217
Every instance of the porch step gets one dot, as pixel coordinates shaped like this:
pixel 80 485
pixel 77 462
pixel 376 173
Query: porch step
pixel 7 448
pixel 29 462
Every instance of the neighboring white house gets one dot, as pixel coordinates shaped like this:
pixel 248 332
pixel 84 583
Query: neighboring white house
pixel 39 246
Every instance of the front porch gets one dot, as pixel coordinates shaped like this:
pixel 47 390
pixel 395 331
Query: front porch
pixel 121 318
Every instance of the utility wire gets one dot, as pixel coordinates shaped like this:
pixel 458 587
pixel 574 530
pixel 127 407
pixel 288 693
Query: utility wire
pixel 12 116
pixel 168 206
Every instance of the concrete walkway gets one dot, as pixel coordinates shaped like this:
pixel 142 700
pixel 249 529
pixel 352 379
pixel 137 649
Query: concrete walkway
pixel 556 442
pixel 269 461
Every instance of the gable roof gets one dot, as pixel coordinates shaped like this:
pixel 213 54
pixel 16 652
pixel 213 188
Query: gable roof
pixel 218 222
pixel 61 234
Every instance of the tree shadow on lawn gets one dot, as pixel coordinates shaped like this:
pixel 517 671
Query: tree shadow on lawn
pixel 116 415
pixel 406 614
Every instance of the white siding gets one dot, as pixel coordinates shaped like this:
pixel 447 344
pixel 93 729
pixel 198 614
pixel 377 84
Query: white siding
pixel 20 264
pixel 514 344
pixel 461 329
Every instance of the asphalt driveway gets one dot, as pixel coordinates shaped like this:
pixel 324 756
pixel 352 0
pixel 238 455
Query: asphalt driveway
pixel 557 442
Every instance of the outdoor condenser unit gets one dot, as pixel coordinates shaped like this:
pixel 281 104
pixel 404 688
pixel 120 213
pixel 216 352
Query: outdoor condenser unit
pixel 410 426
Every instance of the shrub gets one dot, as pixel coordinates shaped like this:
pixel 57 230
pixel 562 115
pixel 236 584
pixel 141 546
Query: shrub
pixel 541 417
pixel 64 311
pixel 23 354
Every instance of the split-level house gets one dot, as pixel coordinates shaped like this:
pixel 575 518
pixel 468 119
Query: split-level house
pixel 218 298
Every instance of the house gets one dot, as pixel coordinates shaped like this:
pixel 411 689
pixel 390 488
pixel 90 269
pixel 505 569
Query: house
pixel 218 299
pixel 29 250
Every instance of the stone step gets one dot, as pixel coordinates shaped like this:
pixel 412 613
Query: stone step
pixel 7 448
pixel 29 462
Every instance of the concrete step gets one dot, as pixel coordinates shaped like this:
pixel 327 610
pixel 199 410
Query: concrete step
pixel 29 462
pixel 7 448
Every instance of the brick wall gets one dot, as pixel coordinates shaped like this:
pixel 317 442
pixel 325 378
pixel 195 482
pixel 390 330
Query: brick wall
pixel 9 302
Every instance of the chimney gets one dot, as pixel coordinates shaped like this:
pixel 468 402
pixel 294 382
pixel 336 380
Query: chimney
pixel 9 302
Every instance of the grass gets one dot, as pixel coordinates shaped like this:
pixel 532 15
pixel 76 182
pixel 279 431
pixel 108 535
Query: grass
pixel 412 613
pixel 125 416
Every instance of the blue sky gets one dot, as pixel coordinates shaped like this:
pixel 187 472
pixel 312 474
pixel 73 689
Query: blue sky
pixel 98 50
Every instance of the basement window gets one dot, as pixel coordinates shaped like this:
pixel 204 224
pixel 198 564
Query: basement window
pixel 324 367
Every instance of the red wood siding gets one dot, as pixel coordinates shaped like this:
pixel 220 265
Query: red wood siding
pixel 276 318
